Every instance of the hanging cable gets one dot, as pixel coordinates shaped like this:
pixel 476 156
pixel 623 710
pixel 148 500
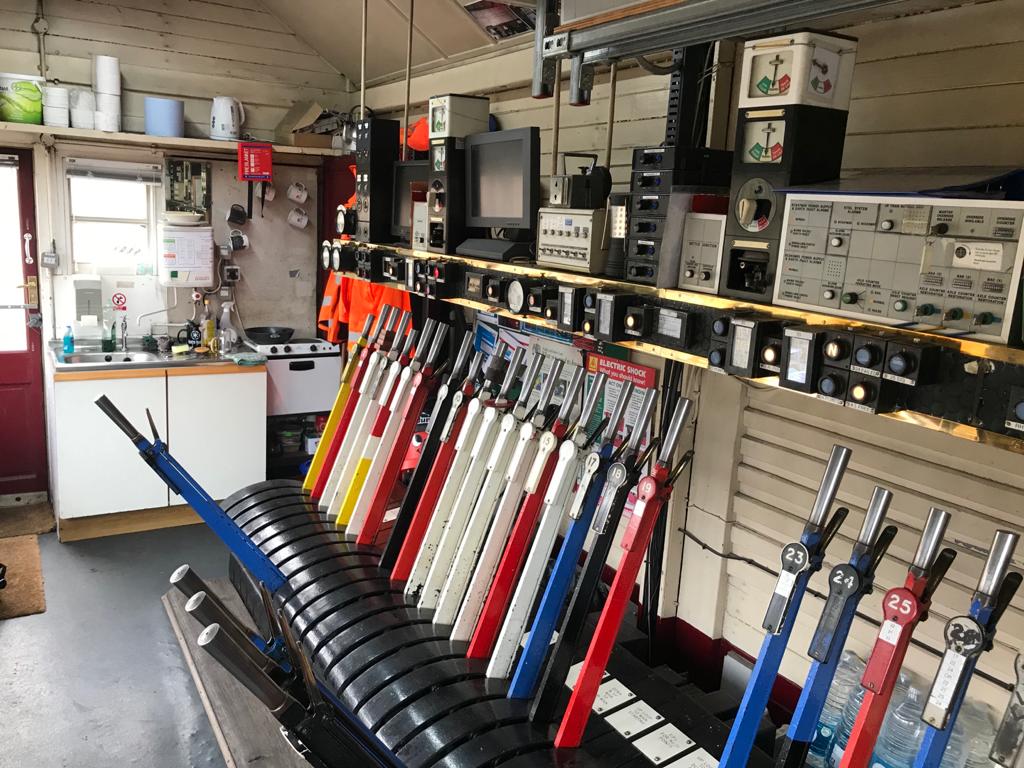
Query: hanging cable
pixel 656 69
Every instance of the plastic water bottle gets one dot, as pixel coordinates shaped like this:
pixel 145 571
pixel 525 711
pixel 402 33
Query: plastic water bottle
pixel 901 735
pixel 979 726
pixel 956 748
pixel 845 682
pixel 835 755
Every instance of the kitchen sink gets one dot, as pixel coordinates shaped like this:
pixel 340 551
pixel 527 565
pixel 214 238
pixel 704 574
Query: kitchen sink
pixel 78 358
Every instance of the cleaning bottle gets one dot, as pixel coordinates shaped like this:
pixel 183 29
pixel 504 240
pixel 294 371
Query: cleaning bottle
pixel 69 341
pixel 206 325
pixel 228 334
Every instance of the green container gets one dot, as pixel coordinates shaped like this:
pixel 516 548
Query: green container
pixel 21 99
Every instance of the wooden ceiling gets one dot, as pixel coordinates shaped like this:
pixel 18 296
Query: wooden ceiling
pixel 443 30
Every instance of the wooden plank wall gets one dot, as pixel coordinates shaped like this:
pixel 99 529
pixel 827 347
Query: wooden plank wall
pixel 187 49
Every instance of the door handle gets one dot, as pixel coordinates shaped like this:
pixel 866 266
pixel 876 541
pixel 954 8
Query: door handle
pixel 301 365
pixel 27 237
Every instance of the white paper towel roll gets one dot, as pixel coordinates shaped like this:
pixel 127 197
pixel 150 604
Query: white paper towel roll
pixel 83 118
pixel 106 74
pixel 83 99
pixel 57 117
pixel 107 122
pixel 108 103
pixel 55 96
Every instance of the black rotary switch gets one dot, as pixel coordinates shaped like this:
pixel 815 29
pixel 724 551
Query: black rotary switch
pixel 705 275
pixel 273 350
pixel 830 385
pixel 902 364
pixel 868 355
pixel 287 349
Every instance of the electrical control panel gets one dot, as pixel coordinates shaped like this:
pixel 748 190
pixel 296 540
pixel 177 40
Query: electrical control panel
pixel 700 262
pixel 376 151
pixel 418 240
pixel 610 315
pixel 673 328
pixel 951 266
pixel 571 239
pixel 394 268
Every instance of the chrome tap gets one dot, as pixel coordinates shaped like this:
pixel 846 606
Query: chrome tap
pixel 124 331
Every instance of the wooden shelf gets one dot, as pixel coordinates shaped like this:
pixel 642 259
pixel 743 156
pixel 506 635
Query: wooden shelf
pixel 155 142
pixel 979 349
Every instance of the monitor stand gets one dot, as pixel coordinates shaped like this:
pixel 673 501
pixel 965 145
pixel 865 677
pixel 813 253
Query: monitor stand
pixel 494 249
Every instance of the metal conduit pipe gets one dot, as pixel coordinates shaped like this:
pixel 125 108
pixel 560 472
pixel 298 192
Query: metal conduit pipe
pixel 362 67
pixel 613 77
pixel 556 113
pixel 408 83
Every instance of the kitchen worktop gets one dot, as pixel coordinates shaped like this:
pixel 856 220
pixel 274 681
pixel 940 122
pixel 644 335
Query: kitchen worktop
pixel 119 362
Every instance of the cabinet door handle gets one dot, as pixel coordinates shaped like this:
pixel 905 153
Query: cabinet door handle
pixel 302 365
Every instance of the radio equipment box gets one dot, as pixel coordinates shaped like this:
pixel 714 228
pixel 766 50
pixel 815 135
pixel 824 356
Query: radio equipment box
pixel 376 152
pixel 689 165
pixel 587 189
pixel 571 239
pixel 446 196
pixel 950 266
pixel 457 116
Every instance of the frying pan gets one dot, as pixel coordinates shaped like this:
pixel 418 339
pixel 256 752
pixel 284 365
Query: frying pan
pixel 270 334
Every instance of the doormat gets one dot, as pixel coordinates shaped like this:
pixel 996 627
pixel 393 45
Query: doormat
pixel 24 593
pixel 26 520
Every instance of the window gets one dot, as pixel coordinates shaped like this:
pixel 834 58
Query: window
pixel 112 209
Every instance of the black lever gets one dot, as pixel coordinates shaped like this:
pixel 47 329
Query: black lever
pixel 119 419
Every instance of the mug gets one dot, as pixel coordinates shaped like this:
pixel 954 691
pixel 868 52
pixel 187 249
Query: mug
pixel 268 191
pixel 237 215
pixel 297 192
pixel 163 344
pixel 193 335
pixel 298 218
pixel 237 240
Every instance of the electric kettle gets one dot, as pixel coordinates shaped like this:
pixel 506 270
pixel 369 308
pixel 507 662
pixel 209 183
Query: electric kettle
pixel 226 118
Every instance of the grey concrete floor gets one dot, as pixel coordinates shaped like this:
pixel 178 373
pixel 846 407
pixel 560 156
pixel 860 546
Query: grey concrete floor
pixel 98 680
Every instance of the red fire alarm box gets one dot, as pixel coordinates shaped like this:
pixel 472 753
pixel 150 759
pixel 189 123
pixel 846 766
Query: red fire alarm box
pixel 255 161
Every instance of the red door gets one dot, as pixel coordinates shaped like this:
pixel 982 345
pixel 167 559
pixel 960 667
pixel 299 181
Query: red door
pixel 22 433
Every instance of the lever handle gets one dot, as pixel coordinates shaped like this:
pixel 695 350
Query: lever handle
pixel 440 335
pixel 882 543
pixel 219 645
pixel 938 572
pixel 512 372
pixel 410 342
pixel 834 470
pixel 878 508
pixel 474 366
pixel 496 365
pixel 119 419
pixel 571 393
pixel 643 419
pixel 669 441
pixel 997 563
pixel 530 379
pixel 931 539
pixel 462 356
pixel 548 390
pixel 426 337
pixel 392 320
pixel 367 325
pixel 404 324
pixel 1007 590
pixel 590 403
pixel 625 393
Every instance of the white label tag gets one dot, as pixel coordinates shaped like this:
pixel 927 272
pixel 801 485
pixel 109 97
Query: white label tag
pixel 946 679
pixel 978 255
pixel 612 695
pixel 663 744
pixel 890 632
pixel 699 758
pixel 574 674
pixel 784 587
pixel 636 718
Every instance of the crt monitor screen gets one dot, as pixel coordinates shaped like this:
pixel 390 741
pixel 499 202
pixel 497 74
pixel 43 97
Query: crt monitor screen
pixel 405 174
pixel 497 182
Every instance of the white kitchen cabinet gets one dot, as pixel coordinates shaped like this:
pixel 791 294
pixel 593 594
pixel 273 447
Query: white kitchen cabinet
pixel 99 471
pixel 217 427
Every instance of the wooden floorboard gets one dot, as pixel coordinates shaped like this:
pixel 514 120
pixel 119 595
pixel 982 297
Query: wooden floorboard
pixel 247 733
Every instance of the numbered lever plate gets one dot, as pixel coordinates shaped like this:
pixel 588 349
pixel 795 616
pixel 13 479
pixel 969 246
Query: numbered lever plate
pixel 617 475
pixel 795 560
pixel 844 584
pixel 900 610
pixel 1010 734
pixel 965 640
pixel 590 466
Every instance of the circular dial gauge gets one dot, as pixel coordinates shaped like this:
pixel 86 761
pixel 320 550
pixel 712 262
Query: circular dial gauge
pixel 824 72
pixel 771 74
pixel 515 296
pixel 438 157
pixel 755 205
pixel 325 254
pixel 763 142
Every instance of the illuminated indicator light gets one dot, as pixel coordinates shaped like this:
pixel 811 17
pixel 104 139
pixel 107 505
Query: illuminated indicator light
pixel 860 392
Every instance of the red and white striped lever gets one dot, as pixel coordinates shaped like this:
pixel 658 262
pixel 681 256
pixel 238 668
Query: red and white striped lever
pixel 653 491
pixel 488 417
pixel 496 606
pixel 337 482
pixel 385 427
pixel 397 437
pixel 388 317
pixel 903 608
pixel 424 513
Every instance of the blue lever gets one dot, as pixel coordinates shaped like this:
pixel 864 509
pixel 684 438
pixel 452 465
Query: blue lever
pixel 848 583
pixel 967 637
pixel 181 482
pixel 800 560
